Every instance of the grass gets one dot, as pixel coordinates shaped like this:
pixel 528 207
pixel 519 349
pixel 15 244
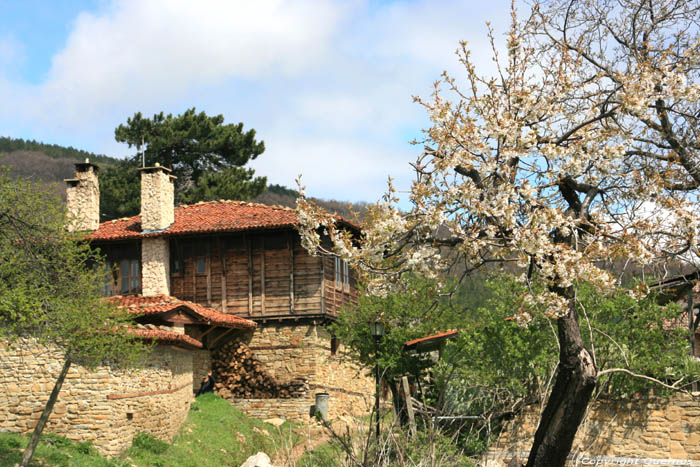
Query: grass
pixel 52 450
pixel 214 434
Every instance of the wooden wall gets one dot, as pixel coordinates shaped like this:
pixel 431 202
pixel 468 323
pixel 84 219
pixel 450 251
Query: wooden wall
pixel 256 274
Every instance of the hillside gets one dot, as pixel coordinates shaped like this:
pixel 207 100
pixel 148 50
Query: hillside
pixel 50 164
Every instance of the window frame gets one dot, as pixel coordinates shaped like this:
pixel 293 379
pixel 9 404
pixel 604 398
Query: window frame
pixel 342 275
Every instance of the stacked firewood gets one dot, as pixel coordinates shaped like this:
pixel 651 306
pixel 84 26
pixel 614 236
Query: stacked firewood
pixel 240 375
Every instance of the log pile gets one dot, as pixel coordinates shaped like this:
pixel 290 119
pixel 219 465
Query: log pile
pixel 239 375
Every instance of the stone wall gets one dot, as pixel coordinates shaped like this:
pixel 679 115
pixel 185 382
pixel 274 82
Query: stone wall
pixel 155 266
pixel 303 350
pixel 106 406
pixel 290 409
pixel 639 432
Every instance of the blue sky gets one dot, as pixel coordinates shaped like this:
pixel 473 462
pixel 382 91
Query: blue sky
pixel 326 84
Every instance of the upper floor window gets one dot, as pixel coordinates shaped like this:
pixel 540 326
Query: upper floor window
pixel 342 274
pixel 129 276
pixel 122 277
pixel 201 264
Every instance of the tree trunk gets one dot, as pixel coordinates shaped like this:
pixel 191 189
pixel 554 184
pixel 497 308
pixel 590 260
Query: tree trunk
pixel 576 378
pixel 29 451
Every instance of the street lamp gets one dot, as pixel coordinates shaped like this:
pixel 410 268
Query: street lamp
pixel 377 329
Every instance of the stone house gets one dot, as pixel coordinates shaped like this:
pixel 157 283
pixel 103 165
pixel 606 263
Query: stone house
pixel 197 276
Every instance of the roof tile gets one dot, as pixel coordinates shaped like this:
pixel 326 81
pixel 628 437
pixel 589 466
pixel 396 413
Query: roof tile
pixel 164 303
pixel 207 217
pixel 166 337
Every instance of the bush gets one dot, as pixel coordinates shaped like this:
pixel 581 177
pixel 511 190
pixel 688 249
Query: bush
pixel 148 443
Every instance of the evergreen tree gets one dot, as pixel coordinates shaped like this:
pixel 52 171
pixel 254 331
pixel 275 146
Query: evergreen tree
pixel 206 155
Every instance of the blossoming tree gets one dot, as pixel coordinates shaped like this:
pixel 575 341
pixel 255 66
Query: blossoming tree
pixel 582 149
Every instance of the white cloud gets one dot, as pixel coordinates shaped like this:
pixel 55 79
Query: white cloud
pixel 326 83
pixel 138 52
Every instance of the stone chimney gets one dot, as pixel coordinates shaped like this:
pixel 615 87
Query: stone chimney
pixel 157 214
pixel 157 198
pixel 83 198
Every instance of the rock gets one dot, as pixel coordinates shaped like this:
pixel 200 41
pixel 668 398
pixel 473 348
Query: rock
pixel 274 421
pixel 259 460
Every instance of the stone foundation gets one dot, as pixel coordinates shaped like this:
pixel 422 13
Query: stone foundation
pixel 637 432
pixel 105 406
pixel 303 350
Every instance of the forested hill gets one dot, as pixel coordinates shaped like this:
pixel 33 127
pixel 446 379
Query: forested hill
pixel 54 151
pixel 50 164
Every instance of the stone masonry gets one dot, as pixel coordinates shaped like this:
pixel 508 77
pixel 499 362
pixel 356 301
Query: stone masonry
pixel 297 350
pixel 83 198
pixel 106 406
pixel 155 266
pixel 646 431
pixel 157 198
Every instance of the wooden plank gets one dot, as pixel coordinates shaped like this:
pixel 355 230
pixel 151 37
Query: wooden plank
pixel 262 279
pixel 409 406
pixel 202 335
pixel 250 275
pixel 207 259
pixel 290 238
pixel 222 258
pixel 211 344
pixel 323 285
pixel 194 279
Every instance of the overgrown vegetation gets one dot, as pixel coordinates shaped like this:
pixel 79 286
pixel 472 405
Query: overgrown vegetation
pixel 498 363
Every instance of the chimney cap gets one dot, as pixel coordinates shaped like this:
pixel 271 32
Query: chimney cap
pixel 155 167
pixel 85 166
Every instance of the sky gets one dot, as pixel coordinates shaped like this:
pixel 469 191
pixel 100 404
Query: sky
pixel 328 85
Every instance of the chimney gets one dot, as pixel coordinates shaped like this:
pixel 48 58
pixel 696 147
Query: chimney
pixel 157 199
pixel 83 198
pixel 157 214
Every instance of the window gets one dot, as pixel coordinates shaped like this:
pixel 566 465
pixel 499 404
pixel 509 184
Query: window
pixel 338 273
pixel 346 276
pixel 201 265
pixel 107 280
pixel 129 276
pixel 175 266
pixel 342 275
pixel 123 277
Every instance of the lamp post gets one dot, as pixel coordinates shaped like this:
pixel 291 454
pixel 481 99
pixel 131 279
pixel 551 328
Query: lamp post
pixel 377 329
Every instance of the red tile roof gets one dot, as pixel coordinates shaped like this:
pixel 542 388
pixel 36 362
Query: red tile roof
pixel 166 337
pixel 164 303
pixel 434 337
pixel 208 217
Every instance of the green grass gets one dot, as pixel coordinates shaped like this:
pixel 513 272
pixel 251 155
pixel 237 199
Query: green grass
pixel 214 434
pixel 52 450
pixel 325 455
